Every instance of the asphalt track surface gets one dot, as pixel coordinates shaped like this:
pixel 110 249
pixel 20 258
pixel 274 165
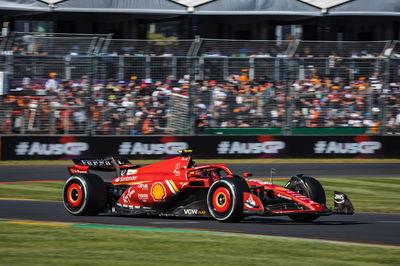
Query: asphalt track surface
pixel 361 227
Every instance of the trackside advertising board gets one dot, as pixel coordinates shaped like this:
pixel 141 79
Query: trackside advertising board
pixel 161 147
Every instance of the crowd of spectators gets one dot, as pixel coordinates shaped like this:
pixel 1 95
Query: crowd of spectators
pixel 303 49
pixel 148 48
pixel 143 106
pixel 346 95
pixel 40 47
pixel 282 51
pixel 112 107
pixel 314 102
pixel 178 49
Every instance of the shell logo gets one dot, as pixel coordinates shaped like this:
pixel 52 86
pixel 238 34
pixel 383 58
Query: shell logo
pixel 158 191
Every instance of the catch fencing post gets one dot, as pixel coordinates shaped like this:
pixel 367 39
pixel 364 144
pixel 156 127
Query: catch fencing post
pixel 382 98
pixel 147 66
pixel 251 69
pixel 9 65
pixel 277 69
pixel 67 65
pixel 225 68
pixel 200 65
pixel 173 67
pixel 121 67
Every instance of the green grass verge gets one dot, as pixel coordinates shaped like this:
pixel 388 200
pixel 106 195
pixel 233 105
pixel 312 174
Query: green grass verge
pixel 367 194
pixel 36 191
pixel 47 245
pixel 208 161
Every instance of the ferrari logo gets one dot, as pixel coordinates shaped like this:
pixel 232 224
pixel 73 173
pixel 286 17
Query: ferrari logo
pixel 158 191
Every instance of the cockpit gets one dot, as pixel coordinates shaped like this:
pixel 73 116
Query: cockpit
pixel 209 172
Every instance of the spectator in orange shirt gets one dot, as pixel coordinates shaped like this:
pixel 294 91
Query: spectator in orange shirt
pixel 244 76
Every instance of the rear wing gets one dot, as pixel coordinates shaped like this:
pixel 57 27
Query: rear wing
pixel 106 164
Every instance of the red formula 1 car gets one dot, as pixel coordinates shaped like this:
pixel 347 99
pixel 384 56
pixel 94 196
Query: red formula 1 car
pixel 178 187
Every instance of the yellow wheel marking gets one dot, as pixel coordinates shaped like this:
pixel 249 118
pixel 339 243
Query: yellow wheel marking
pixel 216 200
pixel 70 195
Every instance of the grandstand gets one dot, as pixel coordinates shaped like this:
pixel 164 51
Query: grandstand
pixel 300 68
pixel 132 87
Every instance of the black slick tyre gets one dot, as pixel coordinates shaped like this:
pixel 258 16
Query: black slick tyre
pixel 84 194
pixel 225 199
pixel 311 188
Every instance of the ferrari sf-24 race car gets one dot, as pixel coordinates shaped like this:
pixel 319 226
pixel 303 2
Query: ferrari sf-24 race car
pixel 178 187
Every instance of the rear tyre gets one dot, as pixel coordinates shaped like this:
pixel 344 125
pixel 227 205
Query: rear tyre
pixel 311 188
pixel 84 194
pixel 225 199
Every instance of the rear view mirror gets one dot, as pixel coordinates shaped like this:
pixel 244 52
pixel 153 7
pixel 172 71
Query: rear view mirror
pixel 247 174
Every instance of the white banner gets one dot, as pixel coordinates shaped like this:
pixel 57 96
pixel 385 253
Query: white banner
pixel 3 83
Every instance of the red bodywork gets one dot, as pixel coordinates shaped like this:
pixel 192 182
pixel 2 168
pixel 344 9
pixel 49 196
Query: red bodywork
pixel 157 183
pixel 281 192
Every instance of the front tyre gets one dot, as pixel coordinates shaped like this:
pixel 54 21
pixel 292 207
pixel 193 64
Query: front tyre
pixel 225 199
pixel 311 188
pixel 84 194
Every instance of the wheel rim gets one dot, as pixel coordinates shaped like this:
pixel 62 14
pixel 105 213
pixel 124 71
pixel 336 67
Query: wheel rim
pixel 74 195
pixel 221 199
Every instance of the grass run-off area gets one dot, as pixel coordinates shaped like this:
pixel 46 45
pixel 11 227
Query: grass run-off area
pixel 211 161
pixel 50 191
pixel 66 245
pixel 367 194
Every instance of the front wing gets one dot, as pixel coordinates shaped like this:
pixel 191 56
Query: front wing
pixel 293 203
